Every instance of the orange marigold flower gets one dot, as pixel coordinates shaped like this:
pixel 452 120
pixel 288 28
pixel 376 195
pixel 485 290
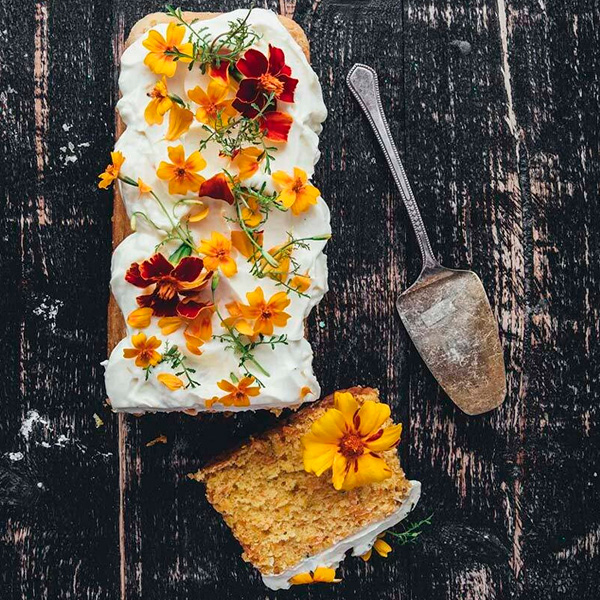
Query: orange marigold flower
pixel 247 160
pixel 112 171
pixel 140 318
pixel 217 254
pixel 381 547
pixel 276 125
pixel 170 381
pixel 181 173
pixel 159 60
pixel 213 105
pixel 197 331
pixel 349 439
pixel 143 186
pixel 144 350
pixel 296 193
pixel 238 392
pixel 159 104
pixel 180 119
pixel 241 242
pixel 260 316
pixel 300 282
pixel 251 213
pixel 319 575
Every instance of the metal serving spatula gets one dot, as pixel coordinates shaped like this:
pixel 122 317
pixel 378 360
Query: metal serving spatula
pixel 446 312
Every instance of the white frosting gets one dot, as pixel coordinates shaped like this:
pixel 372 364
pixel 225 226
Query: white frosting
pixel 360 542
pixel 143 146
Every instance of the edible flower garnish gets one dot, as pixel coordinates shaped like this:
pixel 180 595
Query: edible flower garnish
pixel 217 254
pixel 264 78
pixel 259 315
pixel 319 575
pixel 170 381
pixel 180 119
pixel 112 170
pixel 241 242
pixel 247 161
pixel 380 546
pixel 160 103
pixel 349 439
pixel 238 391
pixel 143 187
pixel 275 125
pixel 176 287
pixel 213 106
pixel 300 283
pixel 140 318
pixel 144 351
pixel 166 53
pixel 218 187
pixel 296 193
pixel 181 173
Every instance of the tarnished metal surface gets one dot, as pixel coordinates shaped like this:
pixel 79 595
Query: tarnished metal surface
pixel 448 317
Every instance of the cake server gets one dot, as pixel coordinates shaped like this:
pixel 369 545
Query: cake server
pixel 446 311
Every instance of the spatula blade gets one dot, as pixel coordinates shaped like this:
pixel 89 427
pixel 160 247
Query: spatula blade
pixel 449 319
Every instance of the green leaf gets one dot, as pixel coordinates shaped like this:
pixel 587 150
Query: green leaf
pixel 181 252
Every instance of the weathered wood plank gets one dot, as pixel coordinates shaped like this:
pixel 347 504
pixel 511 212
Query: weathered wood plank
pixel 58 521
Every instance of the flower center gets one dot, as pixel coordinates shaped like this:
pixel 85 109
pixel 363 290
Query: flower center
pixel 298 185
pixel 351 445
pixel 271 84
pixel 166 289
pixel 180 171
pixel 266 314
pixel 146 354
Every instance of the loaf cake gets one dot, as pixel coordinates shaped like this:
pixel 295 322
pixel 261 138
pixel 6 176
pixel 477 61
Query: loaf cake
pixel 221 115
pixel 295 526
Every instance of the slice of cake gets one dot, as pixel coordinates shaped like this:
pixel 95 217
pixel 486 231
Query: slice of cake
pixel 295 526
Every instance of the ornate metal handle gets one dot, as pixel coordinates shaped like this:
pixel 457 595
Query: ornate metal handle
pixel 363 84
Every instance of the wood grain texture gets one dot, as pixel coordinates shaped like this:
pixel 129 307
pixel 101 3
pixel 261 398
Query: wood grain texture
pixel 500 140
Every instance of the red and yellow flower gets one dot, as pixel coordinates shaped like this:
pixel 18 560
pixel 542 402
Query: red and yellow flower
pixel 112 170
pixel 197 330
pixel 181 172
pixel 176 288
pixel 217 254
pixel 349 439
pixel 217 187
pixel 213 105
pixel 165 53
pixel 262 77
pixel 259 315
pixel 296 193
pixel 144 351
pixel 238 392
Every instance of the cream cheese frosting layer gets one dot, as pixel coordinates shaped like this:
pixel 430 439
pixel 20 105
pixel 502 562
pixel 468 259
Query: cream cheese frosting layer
pixel 360 543
pixel 291 380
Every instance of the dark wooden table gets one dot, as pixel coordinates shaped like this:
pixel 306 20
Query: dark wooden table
pixel 495 108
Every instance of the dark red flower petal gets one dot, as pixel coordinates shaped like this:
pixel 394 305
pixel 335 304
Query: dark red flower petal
pixel 134 276
pixel 159 306
pixel 217 187
pixel 190 309
pixel 276 126
pixel 289 86
pixel 253 64
pixel 248 90
pixel 245 109
pixel 276 60
pixel 155 268
pixel 188 269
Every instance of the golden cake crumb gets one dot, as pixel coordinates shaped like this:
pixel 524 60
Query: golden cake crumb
pixel 281 514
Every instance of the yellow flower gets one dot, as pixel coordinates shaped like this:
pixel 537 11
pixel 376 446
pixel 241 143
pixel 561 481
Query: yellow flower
pixel 180 119
pixel 217 254
pixel 242 243
pixel 251 213
pixel 140 318
pixel 238 393
pixel 213 105
pixel 159 60
pixel 170 381
pixel 319 575
pixel 143 187
pixel 381 547
pixel 349 439
pixel 181 173
pixel 198 213
pixel 144 351
pixel 300 282
pixel 159 104
pixel 247 161
pixel 112 171
pixel 260 316
pixel 296 193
